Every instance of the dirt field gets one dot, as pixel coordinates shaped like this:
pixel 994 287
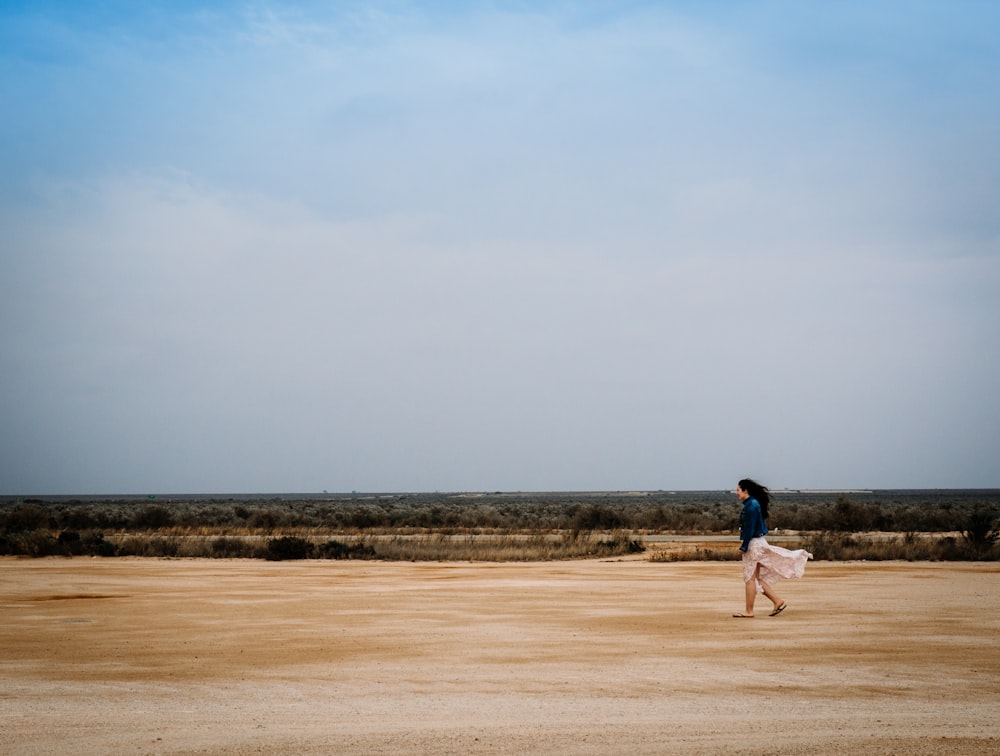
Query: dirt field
pixel 123 656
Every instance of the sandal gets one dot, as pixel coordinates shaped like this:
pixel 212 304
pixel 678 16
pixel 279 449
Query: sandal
pixel 741 615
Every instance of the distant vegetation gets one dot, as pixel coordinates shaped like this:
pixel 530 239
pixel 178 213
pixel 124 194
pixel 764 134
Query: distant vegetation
pixel 924 525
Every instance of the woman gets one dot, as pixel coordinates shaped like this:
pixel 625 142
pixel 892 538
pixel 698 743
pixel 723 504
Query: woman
pixel 763 564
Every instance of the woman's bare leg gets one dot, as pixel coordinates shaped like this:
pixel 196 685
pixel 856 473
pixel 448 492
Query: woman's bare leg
pixel 751 587
pixel 774 597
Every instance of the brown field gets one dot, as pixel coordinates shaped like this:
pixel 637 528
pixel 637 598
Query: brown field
pixel 143 656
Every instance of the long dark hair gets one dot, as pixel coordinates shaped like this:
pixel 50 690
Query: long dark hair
pixel 759 492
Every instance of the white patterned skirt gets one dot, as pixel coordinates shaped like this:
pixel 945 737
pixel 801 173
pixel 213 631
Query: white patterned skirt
pixel 775 562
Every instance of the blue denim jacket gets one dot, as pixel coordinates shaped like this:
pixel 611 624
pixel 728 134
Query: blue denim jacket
pixel 752 522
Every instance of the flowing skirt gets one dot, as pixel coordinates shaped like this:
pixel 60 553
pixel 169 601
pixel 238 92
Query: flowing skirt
pixel 775 562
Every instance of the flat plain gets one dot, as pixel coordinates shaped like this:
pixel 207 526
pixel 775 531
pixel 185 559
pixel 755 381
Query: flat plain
pixel 192 656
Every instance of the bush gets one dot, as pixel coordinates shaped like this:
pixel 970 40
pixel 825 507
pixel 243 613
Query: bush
pixel 152 518
pixel 619 543
pixel 341 550
pixel 152 546
pixel 267 520
pixel 844 547
pixel 288 547
pixel 849 516
pixel 597 517
pixel 227 547
pixel 24 518
pixel 70 543
pixel 95 545
pixel 79 519
pixel 34 543
pixel 981 531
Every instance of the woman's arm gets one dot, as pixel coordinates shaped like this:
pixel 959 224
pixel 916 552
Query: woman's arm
pixel 747 524
pixel 751 523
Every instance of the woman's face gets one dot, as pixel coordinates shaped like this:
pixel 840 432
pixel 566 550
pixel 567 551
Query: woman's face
pixel 741 494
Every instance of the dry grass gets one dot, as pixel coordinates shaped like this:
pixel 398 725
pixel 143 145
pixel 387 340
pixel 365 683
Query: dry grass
pixel 501 527
pixel 695 553
pixel 506 548
pixel 402 546
pixel 412 544
pixel 912 547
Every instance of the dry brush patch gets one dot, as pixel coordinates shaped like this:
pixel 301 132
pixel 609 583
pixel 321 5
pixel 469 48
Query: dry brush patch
pixel 497 527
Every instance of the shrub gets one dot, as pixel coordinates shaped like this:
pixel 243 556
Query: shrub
pixel 95 545
pixel 341 550
pixel 619 543
pixel 842 547
pixel 26 517
pixel 34 543
pixel 849 516
pixel 79 519
pixel 699 553
pixel 597 517
pixel 154 546
pixel 227 547
pixel 70 543
pixel 152 518
pixel 288 547
pixel 981 531
pixel 267 520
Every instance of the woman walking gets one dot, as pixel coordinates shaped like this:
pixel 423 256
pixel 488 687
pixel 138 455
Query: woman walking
pixel 763 564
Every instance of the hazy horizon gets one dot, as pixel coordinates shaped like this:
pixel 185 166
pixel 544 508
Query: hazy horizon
pixel 167 496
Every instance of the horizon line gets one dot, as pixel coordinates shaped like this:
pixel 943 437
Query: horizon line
pixel 23 497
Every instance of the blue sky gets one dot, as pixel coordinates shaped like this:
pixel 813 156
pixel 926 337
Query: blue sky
pixel 498 246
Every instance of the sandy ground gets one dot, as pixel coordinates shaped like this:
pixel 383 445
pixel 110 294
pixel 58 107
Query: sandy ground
pixel 121 656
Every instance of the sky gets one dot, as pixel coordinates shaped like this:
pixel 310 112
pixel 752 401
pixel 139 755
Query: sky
pixel 526 246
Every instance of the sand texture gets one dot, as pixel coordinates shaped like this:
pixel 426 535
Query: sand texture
pixel 132 656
